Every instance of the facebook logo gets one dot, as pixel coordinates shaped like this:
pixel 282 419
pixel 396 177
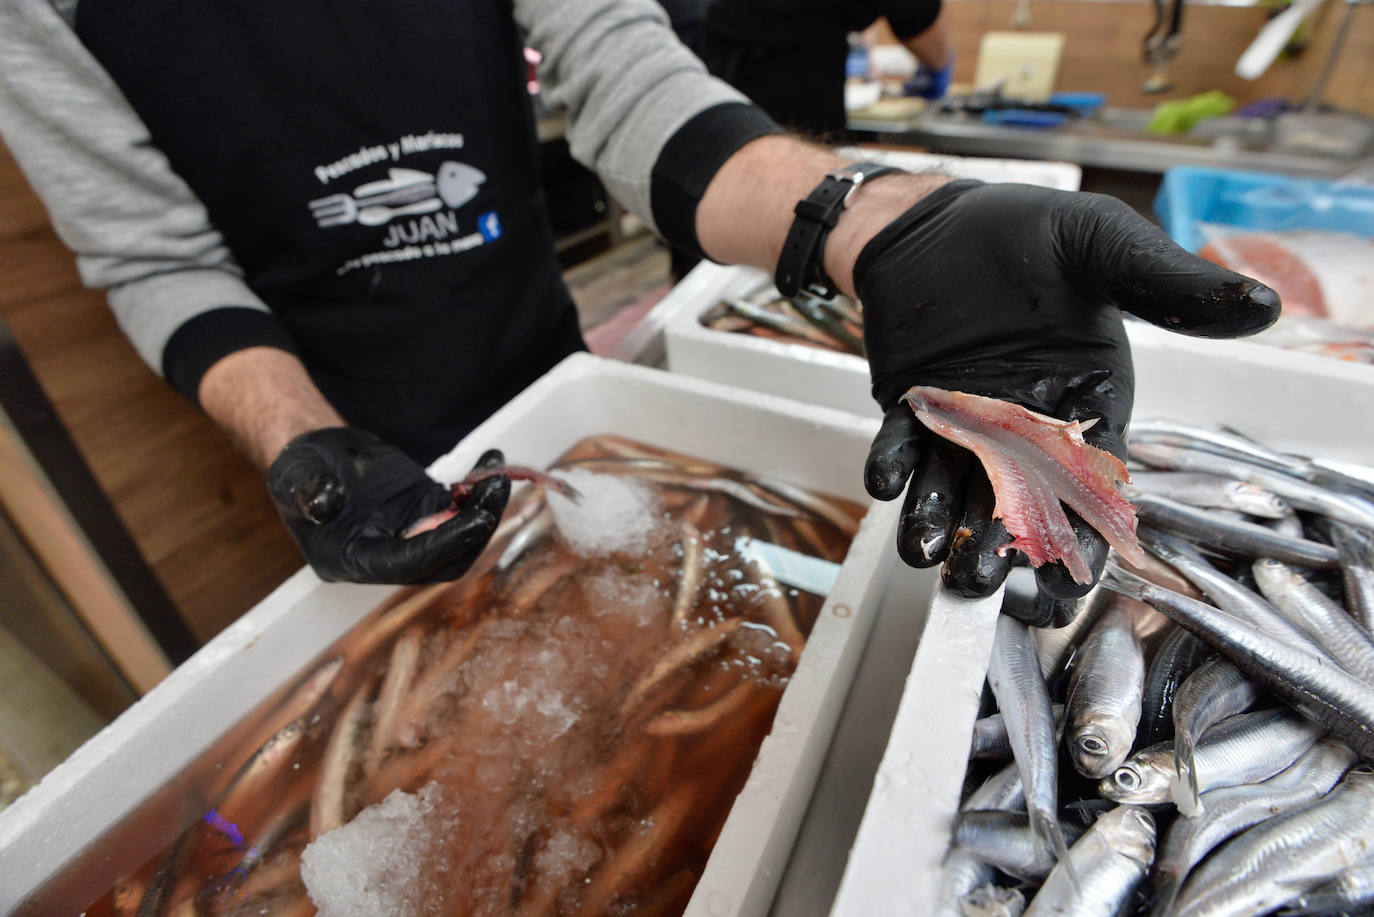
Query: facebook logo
pixel 489 225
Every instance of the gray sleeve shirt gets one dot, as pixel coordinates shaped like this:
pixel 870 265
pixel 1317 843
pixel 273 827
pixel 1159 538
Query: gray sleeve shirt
pixel 613 66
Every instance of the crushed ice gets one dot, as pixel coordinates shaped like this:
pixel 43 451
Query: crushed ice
pixel 617 514
pixel 373 864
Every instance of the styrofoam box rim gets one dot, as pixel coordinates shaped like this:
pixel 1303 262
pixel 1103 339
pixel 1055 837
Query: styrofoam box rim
pixel 106 779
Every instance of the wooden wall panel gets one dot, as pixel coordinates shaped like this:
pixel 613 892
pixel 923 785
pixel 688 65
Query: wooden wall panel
pixel 197 509
pixel 1103 50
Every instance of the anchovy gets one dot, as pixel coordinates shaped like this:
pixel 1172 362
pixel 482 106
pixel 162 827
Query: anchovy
pixel 990 735
pixel 1003 790
pixel 1054 645
pixel 961 874
pixel 1320 691
pixel 778 321
pixel 993 901
pixel 1228 595
pixel 1229 810
pixel 1301 494
pixel 1350 892
pixel 1234 537
pixel 1329 626
pixel 1356 548
pixel 825 321
pixel 1105 695
pixel 1208 491
pixel 1216 691
pixel 1350 477
pixel 1177 657
pixel 1014 674
pixel 1276 861
pixel 1243 749
pixel 1216 441
pixel 1110 858
pixel 1005 840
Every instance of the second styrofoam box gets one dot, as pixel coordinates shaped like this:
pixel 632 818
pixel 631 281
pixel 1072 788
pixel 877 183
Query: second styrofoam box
pixel 829 378
pixel 1292 402
pixel 75 826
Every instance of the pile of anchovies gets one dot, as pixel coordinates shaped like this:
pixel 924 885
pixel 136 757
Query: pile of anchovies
pixel 1197 739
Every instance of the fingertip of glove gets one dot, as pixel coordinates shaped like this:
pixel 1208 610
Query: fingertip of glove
pixel 492 458
pixel 884 478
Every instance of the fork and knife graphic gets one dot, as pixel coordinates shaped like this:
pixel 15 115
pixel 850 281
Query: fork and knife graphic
pixel 404 192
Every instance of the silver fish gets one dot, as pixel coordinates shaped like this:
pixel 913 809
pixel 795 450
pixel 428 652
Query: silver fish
pixel 990 735
pixel 1217 441
pixel 1053 645
pixel 1105 695
pixel 1208 491
pixel 1301 494
pixel 1227 811
pixel 1352 890
pixel 1329 626
pixel 961 874
pixel 1356 548
pixel 1278 860
pixel 1110 860
pixel 1003 790
pixel 1005 840
pixel 1215 691
pixel 1320 691
pixel 1233 537
pixel 1243 749
pixel 1228 595
pixel 993 901
pixel 1014 674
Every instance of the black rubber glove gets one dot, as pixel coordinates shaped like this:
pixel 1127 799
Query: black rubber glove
pixel 347 496
pixel 1014 291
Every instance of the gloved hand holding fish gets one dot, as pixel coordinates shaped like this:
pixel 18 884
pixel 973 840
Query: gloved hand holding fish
pixel 350 500
pixel 1218 705
pixel 1015 292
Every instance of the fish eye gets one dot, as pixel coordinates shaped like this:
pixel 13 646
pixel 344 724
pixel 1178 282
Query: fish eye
pixel 1092 745
pixel 1126 778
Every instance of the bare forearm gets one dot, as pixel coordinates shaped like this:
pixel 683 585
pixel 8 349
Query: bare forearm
pixel 264 397
pixel 747 209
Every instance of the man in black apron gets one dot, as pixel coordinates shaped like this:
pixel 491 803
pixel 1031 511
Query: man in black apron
pixel 322 221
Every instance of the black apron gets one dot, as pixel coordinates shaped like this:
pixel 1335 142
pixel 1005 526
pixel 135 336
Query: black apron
pixel 373 166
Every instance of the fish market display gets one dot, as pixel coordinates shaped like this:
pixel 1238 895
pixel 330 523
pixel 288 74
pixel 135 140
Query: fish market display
pixel 561 731
pixel 1324 278
pixel 1034 462
pixel 831 324
pixel 1217 750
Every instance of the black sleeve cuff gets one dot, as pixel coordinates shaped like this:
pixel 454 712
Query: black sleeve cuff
pixel 691 158
pixel 911 19
pixel 203 340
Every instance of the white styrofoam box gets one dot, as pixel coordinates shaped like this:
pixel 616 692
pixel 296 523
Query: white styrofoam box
pixel 796 370
pixel 59 834
pixel 1296 402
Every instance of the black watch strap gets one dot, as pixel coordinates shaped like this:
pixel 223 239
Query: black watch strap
pixel 800 265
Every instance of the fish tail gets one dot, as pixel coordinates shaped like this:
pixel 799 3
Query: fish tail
pixel 1166 894
pixel 1186 768
pixel 1049 837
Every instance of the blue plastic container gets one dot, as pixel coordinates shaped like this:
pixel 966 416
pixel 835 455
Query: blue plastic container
pixel 1258 200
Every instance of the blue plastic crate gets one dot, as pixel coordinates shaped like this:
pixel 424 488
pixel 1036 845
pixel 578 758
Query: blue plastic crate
pixel 1258 200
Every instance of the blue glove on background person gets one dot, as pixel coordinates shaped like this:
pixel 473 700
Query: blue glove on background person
pixel 930 84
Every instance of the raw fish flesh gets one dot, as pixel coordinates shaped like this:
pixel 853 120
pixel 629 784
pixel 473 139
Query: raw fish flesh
pixel 1034 462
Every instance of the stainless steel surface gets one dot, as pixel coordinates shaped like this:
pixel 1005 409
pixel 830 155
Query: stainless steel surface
pixel 1115 139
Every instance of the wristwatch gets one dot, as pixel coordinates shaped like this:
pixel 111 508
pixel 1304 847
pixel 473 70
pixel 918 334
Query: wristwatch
pixel 801 264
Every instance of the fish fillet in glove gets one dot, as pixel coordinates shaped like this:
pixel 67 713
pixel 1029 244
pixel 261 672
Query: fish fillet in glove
pixel 1016 292
pixel 1033 462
